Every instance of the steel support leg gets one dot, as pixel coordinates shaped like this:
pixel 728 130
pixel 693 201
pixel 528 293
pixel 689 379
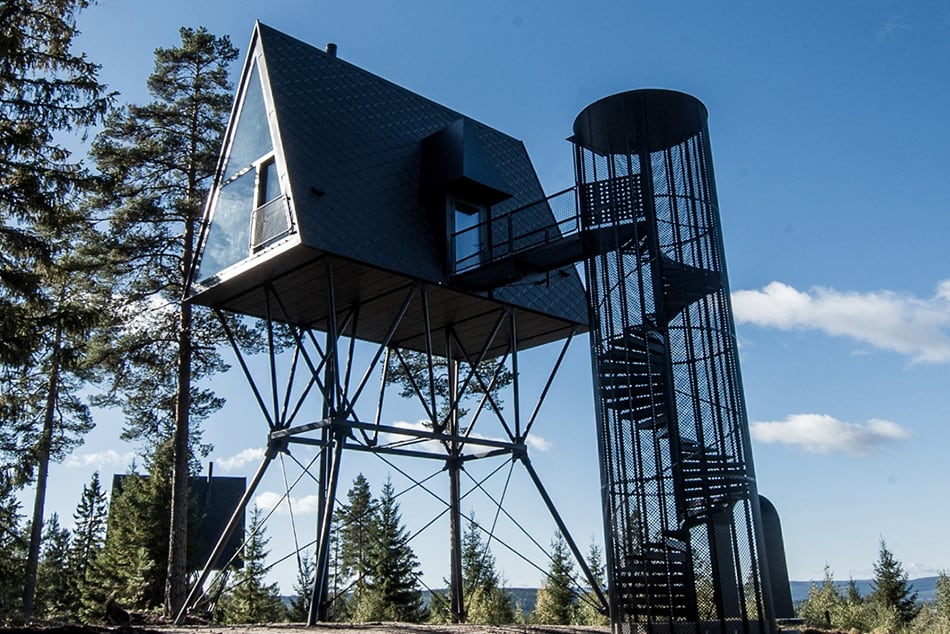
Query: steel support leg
pixel 318 607
pixel 562 527
pixel 454 466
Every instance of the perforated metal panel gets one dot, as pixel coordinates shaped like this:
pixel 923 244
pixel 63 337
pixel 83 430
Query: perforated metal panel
pixel 681 508
pixel 269 222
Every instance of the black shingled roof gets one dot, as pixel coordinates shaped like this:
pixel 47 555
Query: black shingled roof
pixel 352 145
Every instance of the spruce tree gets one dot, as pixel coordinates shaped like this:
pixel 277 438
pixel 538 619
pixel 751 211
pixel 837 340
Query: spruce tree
pixel 392 590
pixel 131 565
pixel 12 554
pixel 823 602
pixel 251 599
pixel 556 603
pixel 55 592
pixel 588 607
pixel 485 600
pixel 853 612
pixel 357 519
pixel 89 534
pixel 159 159
pixel 299 609
pixel 47 92
pixel 891 589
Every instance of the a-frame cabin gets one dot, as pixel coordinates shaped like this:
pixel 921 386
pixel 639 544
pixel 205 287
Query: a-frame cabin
pixel 326 160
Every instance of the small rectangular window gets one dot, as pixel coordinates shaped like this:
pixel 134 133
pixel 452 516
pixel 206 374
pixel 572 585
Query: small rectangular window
pixel 469 230
pixel 269 186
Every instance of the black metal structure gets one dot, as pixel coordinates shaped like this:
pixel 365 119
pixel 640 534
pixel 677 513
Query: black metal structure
pixel 778 567
pixel 683 526
pixel 212 500
pixel 346 208
pixel 341 213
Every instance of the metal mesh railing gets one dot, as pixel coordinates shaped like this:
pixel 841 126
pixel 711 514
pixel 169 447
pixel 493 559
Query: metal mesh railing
pixel 269 222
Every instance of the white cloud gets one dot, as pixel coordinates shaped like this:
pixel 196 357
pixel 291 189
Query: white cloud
pixel 538 442
pixel 821 433
pixel 903 323
pixel 242 458
pixel 266 500
pixel 306 505
pixel 101 459
pixel 893 25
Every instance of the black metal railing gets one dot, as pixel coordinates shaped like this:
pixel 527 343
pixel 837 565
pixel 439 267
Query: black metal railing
pixel 611 201
pixel 519 230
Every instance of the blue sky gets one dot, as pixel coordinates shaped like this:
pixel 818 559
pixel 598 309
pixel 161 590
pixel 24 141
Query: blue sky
pixel 830 139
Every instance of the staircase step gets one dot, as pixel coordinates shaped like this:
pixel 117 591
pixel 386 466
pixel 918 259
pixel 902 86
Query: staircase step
pixel 633 381
pixel 684 284
pixel 656 581
pixel 622 399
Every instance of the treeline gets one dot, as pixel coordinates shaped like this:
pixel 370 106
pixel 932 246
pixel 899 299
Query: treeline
pixel 109 557
pixel 374 575
pixel 94 256
pixel 891 607
pixel 95 253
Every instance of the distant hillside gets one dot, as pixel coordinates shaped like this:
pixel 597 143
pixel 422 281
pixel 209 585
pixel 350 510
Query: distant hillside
pixel 523 598
pixel 926 588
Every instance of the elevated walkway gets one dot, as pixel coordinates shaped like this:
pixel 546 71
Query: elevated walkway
pixel 533 240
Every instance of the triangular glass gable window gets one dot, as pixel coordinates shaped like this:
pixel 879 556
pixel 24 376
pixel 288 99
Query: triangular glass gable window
pixel 249 211
pixel 252 137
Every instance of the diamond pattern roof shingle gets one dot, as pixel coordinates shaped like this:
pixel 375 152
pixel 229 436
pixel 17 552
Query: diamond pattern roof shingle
pixel 356 137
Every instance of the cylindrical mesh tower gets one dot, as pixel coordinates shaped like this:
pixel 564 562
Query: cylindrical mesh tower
pixel 682 523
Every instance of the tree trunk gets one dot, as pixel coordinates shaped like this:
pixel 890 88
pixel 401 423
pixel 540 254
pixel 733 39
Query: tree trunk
pixel 176 578
pixel 42 474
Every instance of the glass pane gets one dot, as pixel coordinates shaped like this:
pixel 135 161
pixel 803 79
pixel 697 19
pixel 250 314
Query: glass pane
pixel 252 137
pixel 468 243
pixel 270 184
pixel 229 234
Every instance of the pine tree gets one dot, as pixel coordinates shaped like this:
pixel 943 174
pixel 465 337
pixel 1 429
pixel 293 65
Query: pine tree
pixel 251 599
pixel 392 590
pixel 336 588
pixel 556 603
pixel 46 90
pixel 61 368
pixel 410 371
pixel 159 159
pixel 891 589
pixel 55 591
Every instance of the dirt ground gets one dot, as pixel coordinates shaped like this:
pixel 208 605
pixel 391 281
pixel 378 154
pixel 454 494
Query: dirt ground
pixel 290 628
